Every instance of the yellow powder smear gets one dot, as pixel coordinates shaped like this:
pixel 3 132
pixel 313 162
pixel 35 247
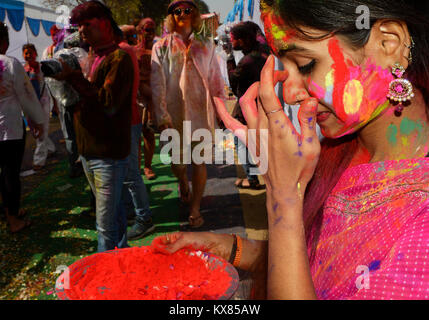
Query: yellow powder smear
pixel 353 96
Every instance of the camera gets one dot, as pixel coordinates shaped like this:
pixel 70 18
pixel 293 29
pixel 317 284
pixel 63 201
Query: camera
pixel 52 67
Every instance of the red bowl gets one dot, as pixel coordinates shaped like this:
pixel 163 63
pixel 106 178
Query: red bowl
pixel 77 270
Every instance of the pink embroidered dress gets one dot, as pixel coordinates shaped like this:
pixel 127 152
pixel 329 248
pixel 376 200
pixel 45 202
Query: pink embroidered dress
pixel 374 241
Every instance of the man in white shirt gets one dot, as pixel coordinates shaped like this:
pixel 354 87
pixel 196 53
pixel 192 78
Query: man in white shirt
pixel 16 96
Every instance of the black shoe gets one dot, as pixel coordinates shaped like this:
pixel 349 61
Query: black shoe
pixel 140 230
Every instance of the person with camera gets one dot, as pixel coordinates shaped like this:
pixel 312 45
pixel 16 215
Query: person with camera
pixel 16 96
pixel 103 119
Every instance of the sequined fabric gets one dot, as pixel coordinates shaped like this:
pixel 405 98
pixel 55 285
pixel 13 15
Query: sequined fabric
pixel 374 241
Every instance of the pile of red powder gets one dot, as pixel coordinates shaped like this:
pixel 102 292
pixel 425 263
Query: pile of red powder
pixel 144 274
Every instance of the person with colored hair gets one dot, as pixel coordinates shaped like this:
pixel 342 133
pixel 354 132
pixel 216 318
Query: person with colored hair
pixel 185 78
pixel 102 119
pixel 348 218
pixel 44 144
pixel 146 35
pixel 16 96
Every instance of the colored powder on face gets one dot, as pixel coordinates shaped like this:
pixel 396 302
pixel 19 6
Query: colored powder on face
pixel 329 84
pixel 145 274
pixel 353 95
pixel 276 30
pixel 341 76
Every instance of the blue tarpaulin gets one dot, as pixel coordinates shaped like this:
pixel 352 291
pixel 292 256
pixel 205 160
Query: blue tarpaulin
pixel 47 25
pixel 15 14
pixel 2 14
pixel 34 25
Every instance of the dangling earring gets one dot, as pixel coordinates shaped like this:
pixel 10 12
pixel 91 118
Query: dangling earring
pixel 400 90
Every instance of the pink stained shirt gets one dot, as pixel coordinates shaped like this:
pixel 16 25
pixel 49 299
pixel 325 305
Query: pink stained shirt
pixel 374 240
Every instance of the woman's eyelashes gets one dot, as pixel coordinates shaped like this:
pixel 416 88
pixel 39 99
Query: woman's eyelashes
pixel 308 68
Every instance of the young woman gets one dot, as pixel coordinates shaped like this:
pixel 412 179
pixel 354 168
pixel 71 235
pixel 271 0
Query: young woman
pixel 348 218
pixel 185 76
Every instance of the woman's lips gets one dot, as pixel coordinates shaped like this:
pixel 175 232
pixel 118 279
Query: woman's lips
pixel 323 116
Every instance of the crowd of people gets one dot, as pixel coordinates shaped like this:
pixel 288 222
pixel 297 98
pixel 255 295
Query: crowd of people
pixel 359 197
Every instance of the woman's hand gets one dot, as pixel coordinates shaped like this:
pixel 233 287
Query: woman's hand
pixel 218 244
pixel 289 158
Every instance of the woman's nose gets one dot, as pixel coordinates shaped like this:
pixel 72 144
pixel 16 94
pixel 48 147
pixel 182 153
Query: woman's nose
pixel 294 92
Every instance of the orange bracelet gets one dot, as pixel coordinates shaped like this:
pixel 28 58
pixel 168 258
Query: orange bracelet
pixel 237 258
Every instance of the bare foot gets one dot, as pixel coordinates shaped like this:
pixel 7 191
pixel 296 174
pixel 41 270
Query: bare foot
pixel 17 224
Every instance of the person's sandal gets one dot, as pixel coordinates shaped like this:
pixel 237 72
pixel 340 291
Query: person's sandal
pixel 241 186
pixel 255 185
pixel 150 175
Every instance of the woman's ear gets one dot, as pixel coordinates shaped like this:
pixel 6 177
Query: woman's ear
pixel 388 43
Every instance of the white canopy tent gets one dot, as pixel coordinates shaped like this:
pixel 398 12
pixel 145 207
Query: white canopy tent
pixel 26 24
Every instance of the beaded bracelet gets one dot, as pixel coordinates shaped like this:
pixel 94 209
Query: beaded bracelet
pixel 237 259
pixel 237 248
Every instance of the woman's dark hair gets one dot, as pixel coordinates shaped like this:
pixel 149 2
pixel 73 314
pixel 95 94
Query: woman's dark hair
pixel 340 17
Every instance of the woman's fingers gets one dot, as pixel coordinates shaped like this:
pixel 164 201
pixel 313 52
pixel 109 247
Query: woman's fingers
pixel 239 129
pixel 248 105
pixel 269 78
pixel 307 116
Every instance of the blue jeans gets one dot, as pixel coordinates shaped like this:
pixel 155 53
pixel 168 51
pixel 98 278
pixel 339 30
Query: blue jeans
pixel 245 159
pixel 106 178
pixel 135 193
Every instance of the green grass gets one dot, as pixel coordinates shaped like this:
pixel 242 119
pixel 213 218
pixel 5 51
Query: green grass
pixel 61 235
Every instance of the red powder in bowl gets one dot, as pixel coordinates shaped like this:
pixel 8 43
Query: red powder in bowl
pixel 143 274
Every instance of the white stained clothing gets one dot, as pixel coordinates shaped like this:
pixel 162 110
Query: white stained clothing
pixel 44 144
pixel 17 95
pixel 184 82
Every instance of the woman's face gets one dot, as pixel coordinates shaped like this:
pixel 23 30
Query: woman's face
pixel 183 15
pixel 349 85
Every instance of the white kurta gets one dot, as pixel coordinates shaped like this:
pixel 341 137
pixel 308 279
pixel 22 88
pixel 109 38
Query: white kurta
pixel 184 82
pixel 17 95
